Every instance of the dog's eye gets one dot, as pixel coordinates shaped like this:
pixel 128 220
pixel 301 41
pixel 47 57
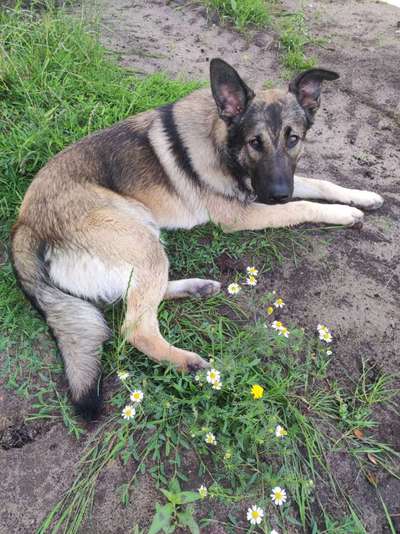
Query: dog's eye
pixel 292 140
pixel 255 143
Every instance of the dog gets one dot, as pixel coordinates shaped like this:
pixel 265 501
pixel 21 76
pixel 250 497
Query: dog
pixel 88 228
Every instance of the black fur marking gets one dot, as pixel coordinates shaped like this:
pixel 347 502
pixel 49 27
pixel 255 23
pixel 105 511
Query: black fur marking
pixel 230 159
pixel 179 150
pixel 126 159
pixel 273 115
pixel 89 405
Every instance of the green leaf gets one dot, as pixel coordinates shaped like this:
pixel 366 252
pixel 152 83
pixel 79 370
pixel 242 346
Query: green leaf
pixel 162 518
pixel 186 497
pixel 186 519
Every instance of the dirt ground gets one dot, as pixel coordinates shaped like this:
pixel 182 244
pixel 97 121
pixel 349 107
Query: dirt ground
pixel 351 282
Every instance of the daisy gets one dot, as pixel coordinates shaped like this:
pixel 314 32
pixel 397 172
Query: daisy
pixel 233 289
pixel 322 328
pixel 252 271
pixel 255 515
pixel 203 491
pixel 136 396
pixel 280 432
pixel 283 331
pixel 128 412
pixel 210 439
pixel 257 391
pixel 270 310
pixel 325 336
pixel 217 385
pixel 213 376
pixel 279 303
pixel 278 496
pixel 123 375
pixel 277 325
pixel 329 352
pixel 251 280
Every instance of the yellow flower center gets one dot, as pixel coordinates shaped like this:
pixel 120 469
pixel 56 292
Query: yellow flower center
pixel 255 514
pixel 278 495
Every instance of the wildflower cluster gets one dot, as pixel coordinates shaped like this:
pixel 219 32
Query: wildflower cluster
pixel 280 328
pixel 251 280
pixel 214 378
pixel 324 333
pixel 135 396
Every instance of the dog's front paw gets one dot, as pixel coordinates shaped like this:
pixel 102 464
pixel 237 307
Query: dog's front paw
pixel 345 215
pixel 367 200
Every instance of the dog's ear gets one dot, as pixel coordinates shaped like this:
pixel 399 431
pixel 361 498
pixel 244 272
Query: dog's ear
pixel 307 89
pixel 230 93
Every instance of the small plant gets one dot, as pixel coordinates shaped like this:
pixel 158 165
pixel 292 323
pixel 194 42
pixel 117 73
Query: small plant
pixel 242 13
pixel 176 512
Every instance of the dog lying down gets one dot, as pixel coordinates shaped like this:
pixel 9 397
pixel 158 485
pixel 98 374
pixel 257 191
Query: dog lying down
pixel 88 228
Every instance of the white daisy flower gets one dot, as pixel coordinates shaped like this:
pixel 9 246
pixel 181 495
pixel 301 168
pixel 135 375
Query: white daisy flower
pixel 217 385
pixel 213 376
pixel 329 352
pixel 251 280
pixel 283 332
pixel 325 336
pixel 280 432
pixel 277 325
pixel 210 439
pixel 255 515
pixel 252 271
pixel 128 412
pixel 123 375
pixel 203 491
pixel 136 396
pixel 322 328
pixel 233 289
pixel 278 496
pixel 279 303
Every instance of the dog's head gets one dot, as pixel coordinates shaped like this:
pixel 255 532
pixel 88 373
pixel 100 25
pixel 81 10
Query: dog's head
pixel 265 133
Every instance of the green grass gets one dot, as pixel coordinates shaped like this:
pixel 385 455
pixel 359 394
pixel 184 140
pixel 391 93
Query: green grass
pixel 242 13
pixel 293 34
pixel 57 84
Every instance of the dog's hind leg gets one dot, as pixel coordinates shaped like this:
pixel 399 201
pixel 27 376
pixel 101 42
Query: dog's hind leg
pixel 309 188
pixel 191 287
pixel 141 324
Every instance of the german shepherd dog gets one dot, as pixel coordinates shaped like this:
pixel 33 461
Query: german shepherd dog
pixel 88 228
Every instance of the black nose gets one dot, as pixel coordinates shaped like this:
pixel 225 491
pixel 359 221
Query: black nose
pixel 280 197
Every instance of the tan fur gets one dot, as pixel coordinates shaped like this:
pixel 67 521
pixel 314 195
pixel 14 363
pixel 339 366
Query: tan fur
pixel 89 226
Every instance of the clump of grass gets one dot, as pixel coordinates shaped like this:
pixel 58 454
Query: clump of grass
pixel 242 13
pixel 292 29
pixel 294 36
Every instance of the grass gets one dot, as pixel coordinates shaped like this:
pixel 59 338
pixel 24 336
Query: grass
pixel 242 13
pixel 58 84
pixel 294 36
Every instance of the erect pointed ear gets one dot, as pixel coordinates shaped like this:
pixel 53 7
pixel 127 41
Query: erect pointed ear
pixel 307 88
pixel 230 93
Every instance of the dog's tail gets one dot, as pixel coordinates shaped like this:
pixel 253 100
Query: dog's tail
pixel 77 325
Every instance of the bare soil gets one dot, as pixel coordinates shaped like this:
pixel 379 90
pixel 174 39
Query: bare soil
pixel 350 280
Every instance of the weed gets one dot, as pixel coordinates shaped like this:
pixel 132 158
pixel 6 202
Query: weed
pixel 242 13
